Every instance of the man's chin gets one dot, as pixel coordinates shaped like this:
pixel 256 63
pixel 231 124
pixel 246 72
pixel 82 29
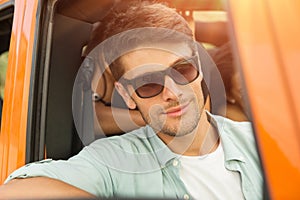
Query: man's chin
pixel 178 131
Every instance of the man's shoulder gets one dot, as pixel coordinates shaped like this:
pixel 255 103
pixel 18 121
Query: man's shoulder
pixel 133 135
pixel 131 152
pixel 137 139
pixel 235 135
pixel 233 128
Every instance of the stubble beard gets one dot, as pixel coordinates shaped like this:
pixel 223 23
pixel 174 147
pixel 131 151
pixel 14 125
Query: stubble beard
pixel 174 126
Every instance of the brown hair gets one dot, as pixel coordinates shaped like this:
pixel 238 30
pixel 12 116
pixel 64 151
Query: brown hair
pixel 145 14
pixel 134 14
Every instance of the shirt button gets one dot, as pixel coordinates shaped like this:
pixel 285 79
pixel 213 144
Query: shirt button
pixel 175 163
pixel 186 197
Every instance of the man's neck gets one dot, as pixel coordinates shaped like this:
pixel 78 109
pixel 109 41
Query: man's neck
pixel 203 140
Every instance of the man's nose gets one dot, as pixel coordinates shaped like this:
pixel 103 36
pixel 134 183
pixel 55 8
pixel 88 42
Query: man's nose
pixel 171 90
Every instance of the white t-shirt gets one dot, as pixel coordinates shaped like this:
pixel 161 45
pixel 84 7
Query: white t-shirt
pixel 206 177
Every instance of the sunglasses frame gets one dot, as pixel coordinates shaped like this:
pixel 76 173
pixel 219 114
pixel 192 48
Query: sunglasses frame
pixel 194 60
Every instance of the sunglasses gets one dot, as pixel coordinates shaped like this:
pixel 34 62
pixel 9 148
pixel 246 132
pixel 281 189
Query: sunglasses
pixel 151 84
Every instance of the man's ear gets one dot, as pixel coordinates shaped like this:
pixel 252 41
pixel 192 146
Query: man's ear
pixel 126 97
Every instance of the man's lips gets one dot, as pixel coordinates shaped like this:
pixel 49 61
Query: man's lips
pixel 177 111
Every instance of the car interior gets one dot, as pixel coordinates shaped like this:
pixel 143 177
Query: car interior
pixel 6 17
pixel 71 23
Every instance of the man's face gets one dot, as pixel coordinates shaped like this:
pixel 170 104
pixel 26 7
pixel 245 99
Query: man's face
pixel 175 109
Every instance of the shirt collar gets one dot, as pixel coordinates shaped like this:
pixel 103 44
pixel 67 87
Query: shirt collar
pixel 231 151
pixel 161 150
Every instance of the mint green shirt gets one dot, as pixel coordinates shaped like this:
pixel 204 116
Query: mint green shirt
pixel 139 164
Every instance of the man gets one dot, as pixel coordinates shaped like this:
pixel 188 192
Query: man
pixel 183 152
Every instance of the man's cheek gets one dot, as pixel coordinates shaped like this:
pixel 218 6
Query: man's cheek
pixel 157 116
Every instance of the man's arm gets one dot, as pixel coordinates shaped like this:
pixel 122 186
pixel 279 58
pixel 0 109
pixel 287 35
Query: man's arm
pixel 40 187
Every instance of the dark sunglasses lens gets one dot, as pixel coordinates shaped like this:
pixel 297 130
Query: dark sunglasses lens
pixel 149 85
pixel 149 90
pixel 184 73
